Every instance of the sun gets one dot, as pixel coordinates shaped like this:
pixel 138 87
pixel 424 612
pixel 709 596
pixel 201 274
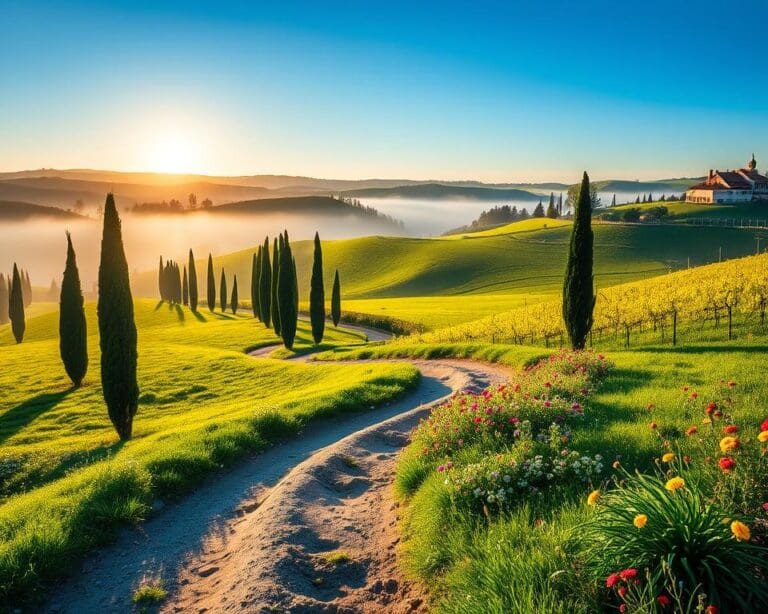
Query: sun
pixel 173 153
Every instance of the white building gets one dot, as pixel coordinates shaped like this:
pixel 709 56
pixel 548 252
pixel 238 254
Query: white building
pixel 743 185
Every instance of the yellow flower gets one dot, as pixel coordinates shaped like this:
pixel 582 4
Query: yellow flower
pixel 707 421
pixel 674 484
pixel 617 464
pixel 668 457
pixel 727 444
pixel 763 436
pixel 593 497
pixel 640 521
pixel 740 531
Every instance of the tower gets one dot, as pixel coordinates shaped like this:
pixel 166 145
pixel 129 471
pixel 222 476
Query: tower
pixel 752 164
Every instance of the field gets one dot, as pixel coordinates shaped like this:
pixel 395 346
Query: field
pixel 67 482
pixel 682 212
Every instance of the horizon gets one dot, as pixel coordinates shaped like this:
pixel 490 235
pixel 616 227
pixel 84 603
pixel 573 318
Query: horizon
pixel 495 93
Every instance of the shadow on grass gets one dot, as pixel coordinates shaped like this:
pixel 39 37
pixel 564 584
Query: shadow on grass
pixel 222 316
pixel 732 347
pixel 179 312
pixel 159 304
pixel 199 316
pixel 16 418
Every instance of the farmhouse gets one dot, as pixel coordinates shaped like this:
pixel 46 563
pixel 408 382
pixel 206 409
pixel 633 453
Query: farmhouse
pixel 743 185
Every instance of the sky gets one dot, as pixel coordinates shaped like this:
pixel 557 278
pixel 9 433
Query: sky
pixel 494 91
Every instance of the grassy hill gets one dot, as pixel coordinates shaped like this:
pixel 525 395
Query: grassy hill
pixel 67 483
pixel 692 212
pixel 17 211
pixel 439 191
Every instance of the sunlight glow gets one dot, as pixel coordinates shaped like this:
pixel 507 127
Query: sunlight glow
pixel 173 153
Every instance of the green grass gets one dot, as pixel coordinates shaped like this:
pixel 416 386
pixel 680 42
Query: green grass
pixel 689 212
pixel 528 225
pixel 66 480
pixel 519 562
pixel 150 592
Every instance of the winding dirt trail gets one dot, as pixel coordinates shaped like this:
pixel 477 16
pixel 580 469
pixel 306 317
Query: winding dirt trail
pixel 253 539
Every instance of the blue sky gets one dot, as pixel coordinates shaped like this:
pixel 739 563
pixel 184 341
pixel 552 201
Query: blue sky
pixel 496 91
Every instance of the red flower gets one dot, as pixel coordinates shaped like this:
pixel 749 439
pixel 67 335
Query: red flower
pixel 692 431
pixel 663 601
pixel 711 609
pixel 623 607
pixel 622 590
pixel 653 425
pixel 718 414
pixel 764 425
pixel 687 459
pixel 711 406
pixel 727 464
pixel 694 395
pixel 628 574
pixel 731 428
pixel 612 580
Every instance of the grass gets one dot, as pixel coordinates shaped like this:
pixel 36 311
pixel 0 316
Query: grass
pixel 150 592
pixel 685 212
pixel 518 562
pixel 337 557
pixel 68 483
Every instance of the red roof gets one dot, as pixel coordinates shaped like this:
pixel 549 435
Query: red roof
pixel 733 180
pixel 753 175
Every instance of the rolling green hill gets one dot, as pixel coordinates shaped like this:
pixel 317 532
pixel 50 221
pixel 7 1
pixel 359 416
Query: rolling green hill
pixel 692 212
pixel 15 211
pixel 439 191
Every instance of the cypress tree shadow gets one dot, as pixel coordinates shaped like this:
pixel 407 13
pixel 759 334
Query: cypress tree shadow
pixel 179 312
pixel 16 418
pixel 199 316
pixel 160 304
pixel 222 316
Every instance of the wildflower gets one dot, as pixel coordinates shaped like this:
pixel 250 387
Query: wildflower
pixel 640 521
pixel 628 574
pixel 668 457
pixel 674 484
pixel 650 406
pixel 707 421
pixel 694 395
pixel 711 406
pixel 440 468
pixel 730 429
pixel 687 459
pixel 622 590
pixel 653 425
pixel 727 444
pixel 718 414
pixel 764 425
pixel 763 436
pixel 593 497
pixel 692 431
pixel 623 607
pixel 740 531
pixel 612 580
pixel 616 464
pixel 727 464
pixel 731 384
pixel 663 601
pixel 711 609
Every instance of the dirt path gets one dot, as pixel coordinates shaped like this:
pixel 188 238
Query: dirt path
pixel 249 539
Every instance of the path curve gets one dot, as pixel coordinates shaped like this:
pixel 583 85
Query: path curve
pixel 249 538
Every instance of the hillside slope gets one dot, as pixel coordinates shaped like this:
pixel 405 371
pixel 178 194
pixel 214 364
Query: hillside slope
pixel 439 191
pixel 17 211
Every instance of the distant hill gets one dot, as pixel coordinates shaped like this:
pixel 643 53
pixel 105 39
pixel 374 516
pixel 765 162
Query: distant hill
pixel 12 210
pixel 439 191
pixel 641 187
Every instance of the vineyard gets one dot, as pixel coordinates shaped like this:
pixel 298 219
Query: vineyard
pixel 717 296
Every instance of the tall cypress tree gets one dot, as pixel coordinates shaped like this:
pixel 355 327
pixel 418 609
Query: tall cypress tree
pixel 185 288
pixel 273 300
pixel 286 300
pixel 578 290
pixel 295 286
pixel 192 282
pixel 16 306
pixel 234 302
pixel 177 283
pixel 255 269
pixel 161 280
pixel 117 327
pixel 317 294
pixel 27 287
pixel 265 285
pixel 223 298
pixel 4 298
pixel 211 285
pixel 336 300
pixel 73 335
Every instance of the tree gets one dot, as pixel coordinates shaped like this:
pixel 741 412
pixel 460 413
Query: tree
pixel 265 285
pixel 73 335
pixel 16 306
pixel 552 202
pixel 336 300
pixel 631 215
pixel 295 286
pixel 613 201
pixel 234 302
pixel 192 201
pixel 27 284
pixel 206 204
pixel 539 210
pixel 644 198
pixel 637 200
pixel 560 204
pixel 3 300
pixel 578 290
pixel 317 294
pixel 255 269
pixel 185 288
pixel 192 282
pixel 223 298
pixel 573 197
pixel 275 270
pixel 117 328
pixel 177 289
pixel 650 197
pixel 286 284
pixel 551 211
pixel 161 276
pixel 211 285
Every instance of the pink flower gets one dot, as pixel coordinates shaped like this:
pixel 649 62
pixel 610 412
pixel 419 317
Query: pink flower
pixel 612 580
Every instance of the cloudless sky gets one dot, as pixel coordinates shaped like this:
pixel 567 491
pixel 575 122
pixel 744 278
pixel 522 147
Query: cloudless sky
pixel 496 91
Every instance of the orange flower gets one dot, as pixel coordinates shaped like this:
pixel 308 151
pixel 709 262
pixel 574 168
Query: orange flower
pixel 593 497
pixel 692 431
pixel 763 436
pixel 640 521
pixel 728 444
pixel 730 429
pixel 674 484
pixel 740 531
pixel 653 425
pixel 668 457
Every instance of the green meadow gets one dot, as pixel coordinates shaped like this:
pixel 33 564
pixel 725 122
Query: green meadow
pixel 68 482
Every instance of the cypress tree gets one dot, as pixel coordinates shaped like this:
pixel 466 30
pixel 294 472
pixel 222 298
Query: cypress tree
pixel 336 300
pixel 286 284
pixel 613 201
pixel 235 297
pixel 295 286
pixel 4 298
pixel 73 336
pixel 255 269
pixel 117 327
pixel 539 210
pixel 192 282
pixel 177 283
pixel 223 298
pixel 265 285
pixel 161 280
pixel 317 294
pixel 27 286
pixel 273 300
pixel 578 290
pixel 16 306
pixel 185 288
pixel 211 285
